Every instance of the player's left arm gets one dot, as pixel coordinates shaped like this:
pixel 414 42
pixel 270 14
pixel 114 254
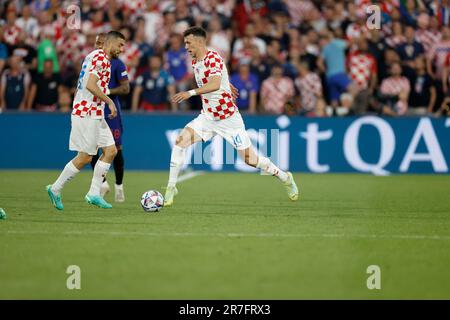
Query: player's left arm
pixel 213 84
pixel 122 89
pixel 124 83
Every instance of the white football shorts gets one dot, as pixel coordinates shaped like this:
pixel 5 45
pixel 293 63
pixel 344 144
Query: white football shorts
pixel 232 129
pixel 87 135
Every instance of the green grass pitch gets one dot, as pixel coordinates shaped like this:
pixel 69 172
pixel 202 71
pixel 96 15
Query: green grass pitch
pixel 229 236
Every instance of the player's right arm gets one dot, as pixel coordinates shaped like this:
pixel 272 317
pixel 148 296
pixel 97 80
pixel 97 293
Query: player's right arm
pixel 96 91
pixel 212 85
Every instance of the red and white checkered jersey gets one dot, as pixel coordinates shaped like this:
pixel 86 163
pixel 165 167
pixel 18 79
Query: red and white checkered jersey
pixel 438 55
pixel 11 34
pixel 427 38
pixel 275 93
pixel 394 41
pixel 361 66
pixel 70 47
pixel 217 105
pixel 299 9
pixel 130 53
pixel 85 103
pixel 356 31
pixel 394 85
pixel 310 88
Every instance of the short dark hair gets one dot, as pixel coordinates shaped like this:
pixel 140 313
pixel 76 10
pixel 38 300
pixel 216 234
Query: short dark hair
pixel 114 35
pixel 195 31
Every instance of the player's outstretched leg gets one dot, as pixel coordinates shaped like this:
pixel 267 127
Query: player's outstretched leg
pixel 176 162
pixel 186 138
pixel 268 167
pixel 54 190
pixel 101 169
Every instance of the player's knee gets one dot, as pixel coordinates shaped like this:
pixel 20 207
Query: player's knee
pixel 85 159
pixel 112 152
pixel 179 141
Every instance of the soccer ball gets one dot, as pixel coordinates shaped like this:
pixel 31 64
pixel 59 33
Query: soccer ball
pixel 152 201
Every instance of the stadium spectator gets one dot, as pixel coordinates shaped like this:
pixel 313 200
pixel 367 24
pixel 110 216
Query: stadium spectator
pixel 251 36
pixel 410 49
pixel 28 24
pixel 244 10
pixel 424 34
pixel 332 61
pixel 377 47
pixel 3 51
pixel 397 38
pixel 46 51
pixel 131 55
pixel 27 53
pixel 154 88
pixel 362 68
pixel 277 91
pixel 261 67
pixel 165 27
pixel 247 85
pixel 218 38
pixel 395 92
pixel 69 87
pixel 14 86
pixel 423 90
pixel 438 53
pixel 309 86
pixel 145 49
pixel 178 64
pixel 11 31
pixel 242 31
pixel 45 90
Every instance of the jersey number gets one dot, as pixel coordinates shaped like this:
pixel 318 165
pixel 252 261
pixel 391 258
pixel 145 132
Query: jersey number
pixel 80 79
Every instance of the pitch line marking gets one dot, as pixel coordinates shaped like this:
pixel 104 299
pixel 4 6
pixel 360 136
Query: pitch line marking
pixel 236 235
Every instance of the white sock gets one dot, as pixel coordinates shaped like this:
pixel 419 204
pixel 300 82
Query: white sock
pixel 100 171
pixel 267 166
pixel 176 162
pixel 66 175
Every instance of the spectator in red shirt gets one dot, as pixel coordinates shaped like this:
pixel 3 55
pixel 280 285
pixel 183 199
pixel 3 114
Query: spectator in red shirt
pixel 395 92
pixel 362 68
pixel 245 9
pixel 276 91
pixel 309 86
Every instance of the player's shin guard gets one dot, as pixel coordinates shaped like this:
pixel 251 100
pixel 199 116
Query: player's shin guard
pixel 176 162
pixel 267 166
pixel 100 171
pixel 66 175
pixel 119 167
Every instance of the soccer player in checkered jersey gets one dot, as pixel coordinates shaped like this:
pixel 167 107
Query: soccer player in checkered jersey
pixel 89 128
pixel 118 85
pixel 219 116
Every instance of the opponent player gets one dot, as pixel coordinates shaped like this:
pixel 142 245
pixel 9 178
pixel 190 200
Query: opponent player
pixel 118 85
pixel 89 128
pixel 219 116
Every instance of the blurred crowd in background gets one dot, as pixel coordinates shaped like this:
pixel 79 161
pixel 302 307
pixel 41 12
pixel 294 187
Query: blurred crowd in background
pixel 295 57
